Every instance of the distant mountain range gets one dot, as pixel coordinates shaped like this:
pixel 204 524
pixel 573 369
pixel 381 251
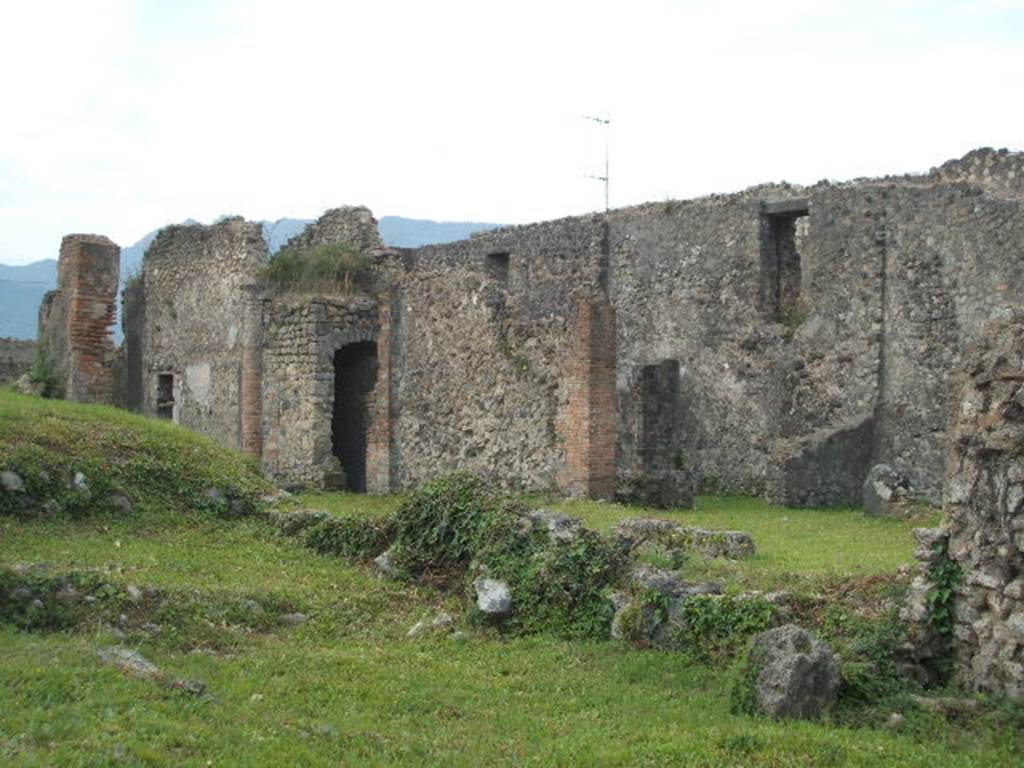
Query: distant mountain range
pixel 22 287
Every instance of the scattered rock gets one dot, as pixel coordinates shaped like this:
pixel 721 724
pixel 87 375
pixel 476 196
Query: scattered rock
pixel 129 661
pixel 635 532
pixel 894 721
pixel 194 687
pixel 645 577
pixel 440 622
pixel 25 386
pixel 947 706
pixel 11 482
pixel 215 496
pixel 794 675
pixel 294 619
pixel 560 527
pixel 79 483
pixel 134 593
pixel 121 503
pixel 662 489
pixel 385 565
pixel 886 491
pixel 493 597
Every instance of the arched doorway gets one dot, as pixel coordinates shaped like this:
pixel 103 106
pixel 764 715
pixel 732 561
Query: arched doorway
pixel 355 373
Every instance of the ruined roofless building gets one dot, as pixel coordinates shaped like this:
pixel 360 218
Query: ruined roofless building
pixel 777 341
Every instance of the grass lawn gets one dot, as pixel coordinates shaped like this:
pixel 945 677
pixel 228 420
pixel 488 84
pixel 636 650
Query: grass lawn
pixel 347 686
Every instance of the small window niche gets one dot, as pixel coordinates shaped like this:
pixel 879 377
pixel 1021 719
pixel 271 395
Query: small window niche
pixel 498 268
pixel 165 396
pixel 783 227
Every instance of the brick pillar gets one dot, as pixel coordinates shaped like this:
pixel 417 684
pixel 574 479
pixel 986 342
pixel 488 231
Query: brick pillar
pixel 379 434
pixel 589 423
pixel 87 276
pixel 252 374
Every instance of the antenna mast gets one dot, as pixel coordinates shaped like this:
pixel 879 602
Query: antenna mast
pixel 606 122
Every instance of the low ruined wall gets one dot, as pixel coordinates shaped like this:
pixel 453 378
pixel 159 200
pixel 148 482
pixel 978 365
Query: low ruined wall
pixel 985 506
pixel 16 357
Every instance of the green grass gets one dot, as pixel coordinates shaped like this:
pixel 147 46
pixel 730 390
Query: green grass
pixel 795 548
pixel 348 688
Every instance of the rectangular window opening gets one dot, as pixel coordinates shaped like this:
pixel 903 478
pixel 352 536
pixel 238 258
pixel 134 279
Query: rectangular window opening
pixel 165 395
pixel 783 227
pixel 497 268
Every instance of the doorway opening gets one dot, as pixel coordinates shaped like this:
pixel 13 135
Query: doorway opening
pixel 355 373
pixel 783 225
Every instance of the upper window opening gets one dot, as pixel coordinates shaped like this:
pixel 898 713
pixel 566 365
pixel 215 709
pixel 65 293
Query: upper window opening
pixel 497 267
pixel 783 226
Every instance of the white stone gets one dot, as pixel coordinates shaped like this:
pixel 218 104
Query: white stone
pixel 493 597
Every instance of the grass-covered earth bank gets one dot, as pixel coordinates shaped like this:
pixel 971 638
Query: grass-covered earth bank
pixel 305 659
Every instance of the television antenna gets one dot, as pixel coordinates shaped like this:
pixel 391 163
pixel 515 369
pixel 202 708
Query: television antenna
pixel 606 122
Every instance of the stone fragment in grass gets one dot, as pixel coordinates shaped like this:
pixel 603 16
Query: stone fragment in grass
pixel 441 622
pixel 792 674
pixel 886 491
pixel 294 619
pixel 291 523
pixel 194 687
pixel 130 662
pixel 635 532
pixel 493 597
pixel 385 564
pixel 11 482
pixel 560 527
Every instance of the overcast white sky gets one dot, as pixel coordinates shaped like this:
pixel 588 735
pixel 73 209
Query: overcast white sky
pixel 119 116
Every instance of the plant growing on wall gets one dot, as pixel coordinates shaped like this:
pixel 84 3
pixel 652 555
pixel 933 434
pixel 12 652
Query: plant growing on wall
pixel 333 268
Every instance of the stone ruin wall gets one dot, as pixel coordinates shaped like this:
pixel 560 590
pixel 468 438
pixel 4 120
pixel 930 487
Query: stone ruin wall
pixel 16 358
pixel 75 320
pixel 497 353
pixel 193 279
pixel 983 534
pixel 301 336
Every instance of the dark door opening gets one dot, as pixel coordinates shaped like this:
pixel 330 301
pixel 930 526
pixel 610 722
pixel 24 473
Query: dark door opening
pixel 165 395
pixel 659 409
pixel 355 373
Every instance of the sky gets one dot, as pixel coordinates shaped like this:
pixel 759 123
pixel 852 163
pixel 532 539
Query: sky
pixel 120 117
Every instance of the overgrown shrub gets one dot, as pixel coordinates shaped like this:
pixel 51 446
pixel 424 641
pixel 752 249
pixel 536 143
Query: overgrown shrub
pixel 335 267
pixel 559 586
pixel 712 627
pixel 440 527
pixel 359 538
pixel 457 528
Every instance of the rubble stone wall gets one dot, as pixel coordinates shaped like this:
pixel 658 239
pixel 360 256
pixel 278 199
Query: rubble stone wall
pixel 193 278
pixel 985 507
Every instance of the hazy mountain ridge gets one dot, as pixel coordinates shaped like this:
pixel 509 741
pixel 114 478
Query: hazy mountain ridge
pixel 22 286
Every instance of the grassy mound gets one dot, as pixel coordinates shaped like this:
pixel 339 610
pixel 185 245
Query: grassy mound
pixel 76 460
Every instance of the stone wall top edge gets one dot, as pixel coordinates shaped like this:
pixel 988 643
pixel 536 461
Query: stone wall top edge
pixel 77 238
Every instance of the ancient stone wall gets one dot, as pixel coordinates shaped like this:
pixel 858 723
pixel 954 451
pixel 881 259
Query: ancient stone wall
pixel 302 335
pixel 350 225
pixel 191 345
pixel 489 357
pixel 16 357
pixel 985 506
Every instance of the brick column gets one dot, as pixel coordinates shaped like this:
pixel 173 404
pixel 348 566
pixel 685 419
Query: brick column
pixel 379 433
pixel 88 273
pixel 589 423
pixel 252 373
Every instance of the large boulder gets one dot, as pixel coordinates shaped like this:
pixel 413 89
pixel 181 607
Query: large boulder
pixel 790 674
pixel 886 492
